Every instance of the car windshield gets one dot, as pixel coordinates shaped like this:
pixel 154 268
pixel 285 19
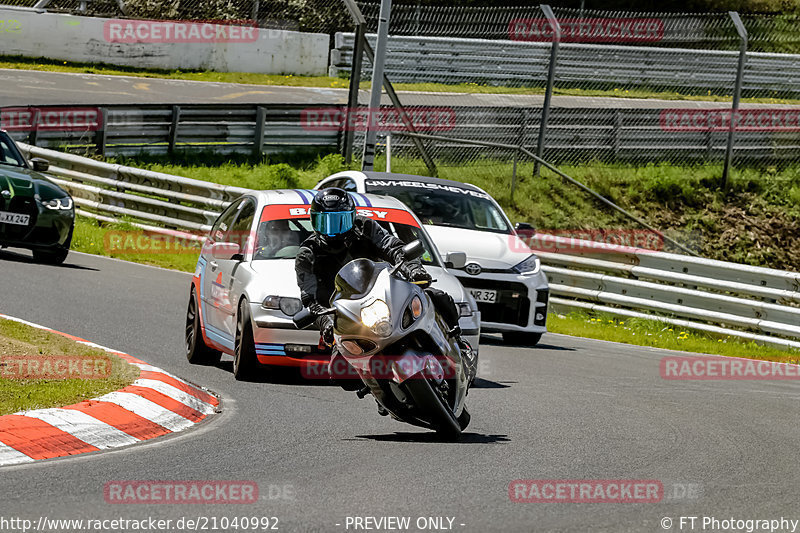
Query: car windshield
pixel 281 239
pixel 9 154
pixel 452 209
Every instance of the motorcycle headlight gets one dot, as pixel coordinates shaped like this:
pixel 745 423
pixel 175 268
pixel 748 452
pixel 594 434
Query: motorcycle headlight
pixel 376 316
pixel 62 204
pixel 530 266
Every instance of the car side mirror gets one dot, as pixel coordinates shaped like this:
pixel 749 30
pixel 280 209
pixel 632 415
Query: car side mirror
pixel 524 227
pixel 303 318
pixel 226 250
pixel 413 250
pixel 40 165
pixel 455 260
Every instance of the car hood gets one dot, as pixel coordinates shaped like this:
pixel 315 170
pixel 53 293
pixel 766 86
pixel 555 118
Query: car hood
pixel 27 183
pixel 490 250
pixel 277 277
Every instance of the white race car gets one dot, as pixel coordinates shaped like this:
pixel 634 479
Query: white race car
pixel 244 291
pixel 500 271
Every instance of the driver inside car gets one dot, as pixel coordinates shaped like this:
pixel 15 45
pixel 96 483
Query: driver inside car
pixel 340 235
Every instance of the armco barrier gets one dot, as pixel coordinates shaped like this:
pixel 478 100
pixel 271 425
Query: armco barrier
pixel 496 62
pixel 754 303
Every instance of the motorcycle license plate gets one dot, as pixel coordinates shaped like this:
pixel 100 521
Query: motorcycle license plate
pixel 484 296
pixel 17 219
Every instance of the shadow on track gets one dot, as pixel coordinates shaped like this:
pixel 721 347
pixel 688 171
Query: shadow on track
pixel 466 438
pixel 15 257
pixel 492 340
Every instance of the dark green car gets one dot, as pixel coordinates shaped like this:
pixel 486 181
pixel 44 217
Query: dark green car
pixel 35 213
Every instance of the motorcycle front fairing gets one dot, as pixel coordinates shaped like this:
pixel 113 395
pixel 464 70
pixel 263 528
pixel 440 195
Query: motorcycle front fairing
pixel 398 346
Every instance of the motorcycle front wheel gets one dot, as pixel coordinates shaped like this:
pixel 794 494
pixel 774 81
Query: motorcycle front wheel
pixel 428 401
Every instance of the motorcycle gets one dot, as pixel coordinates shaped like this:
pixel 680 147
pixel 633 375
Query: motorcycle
pixel 387 328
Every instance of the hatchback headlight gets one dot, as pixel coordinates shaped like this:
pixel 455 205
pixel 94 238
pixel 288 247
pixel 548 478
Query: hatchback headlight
pixel 288 306
pixel 62 204
pixel 530 266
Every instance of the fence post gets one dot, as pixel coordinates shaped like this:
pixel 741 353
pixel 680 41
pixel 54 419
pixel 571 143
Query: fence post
pixel 551 76
pixel 258 139
pixel 352 95
pixel 389 152
pixel 368 159
pixel 173 129
pixel 737 93
pixel 520 144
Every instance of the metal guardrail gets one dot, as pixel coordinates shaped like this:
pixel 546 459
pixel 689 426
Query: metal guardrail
pixel 162 129
pixel 615 134
pixel 751 303
pixel 498 62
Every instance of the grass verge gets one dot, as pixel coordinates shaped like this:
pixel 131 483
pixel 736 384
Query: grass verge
pixel 248 78
pixel 124 241
pixel 30 347
pixel 655 334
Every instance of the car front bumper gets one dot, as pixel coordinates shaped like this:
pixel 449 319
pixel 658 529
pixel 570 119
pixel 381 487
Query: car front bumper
pixel 521 303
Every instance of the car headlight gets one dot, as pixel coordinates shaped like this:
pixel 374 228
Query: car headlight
pixel 62 204
pixel 377 317
pixel 288 306
pixel 464 309
pixel 530 266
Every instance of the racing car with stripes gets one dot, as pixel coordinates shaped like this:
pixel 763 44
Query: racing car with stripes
pixel 244 292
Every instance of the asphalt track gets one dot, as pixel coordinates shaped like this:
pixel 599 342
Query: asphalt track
pixel 26 88
pixel 570 409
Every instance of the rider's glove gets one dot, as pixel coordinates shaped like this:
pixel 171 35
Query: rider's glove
pixel 417 273
pixel 327 332
pixel 316 309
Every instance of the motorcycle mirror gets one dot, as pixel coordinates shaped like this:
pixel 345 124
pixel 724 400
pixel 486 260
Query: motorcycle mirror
pixel 413 250
pixel 303 318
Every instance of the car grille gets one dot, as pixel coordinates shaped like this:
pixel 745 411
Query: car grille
pixel 512 305
pixel 17 204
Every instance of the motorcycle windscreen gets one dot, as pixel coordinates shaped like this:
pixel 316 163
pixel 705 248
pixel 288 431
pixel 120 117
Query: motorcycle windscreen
pixel 357 278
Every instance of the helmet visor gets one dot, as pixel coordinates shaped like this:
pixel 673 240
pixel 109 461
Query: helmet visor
pixel 332 223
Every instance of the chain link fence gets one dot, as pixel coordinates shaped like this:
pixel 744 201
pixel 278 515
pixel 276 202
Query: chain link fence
pixel 626 87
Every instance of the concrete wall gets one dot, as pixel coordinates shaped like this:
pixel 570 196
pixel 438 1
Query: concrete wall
pixel 131 43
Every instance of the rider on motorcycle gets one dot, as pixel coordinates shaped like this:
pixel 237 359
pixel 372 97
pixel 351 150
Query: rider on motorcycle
pixel 340 235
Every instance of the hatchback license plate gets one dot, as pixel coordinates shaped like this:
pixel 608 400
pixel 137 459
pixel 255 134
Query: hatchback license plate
pixel 484 296
pixel 14 218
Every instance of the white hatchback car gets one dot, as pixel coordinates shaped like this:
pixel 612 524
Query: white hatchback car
pixel 500 271
pixel 244 291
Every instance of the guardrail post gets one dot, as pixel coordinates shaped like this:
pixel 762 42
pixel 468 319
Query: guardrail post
pixel 102 133
pixel 615 142
pixel 258 139
pixel 368 159
pixel 33 135
pixel 737 93
pixel 173 129
pixel 551 77
pixel 352 96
